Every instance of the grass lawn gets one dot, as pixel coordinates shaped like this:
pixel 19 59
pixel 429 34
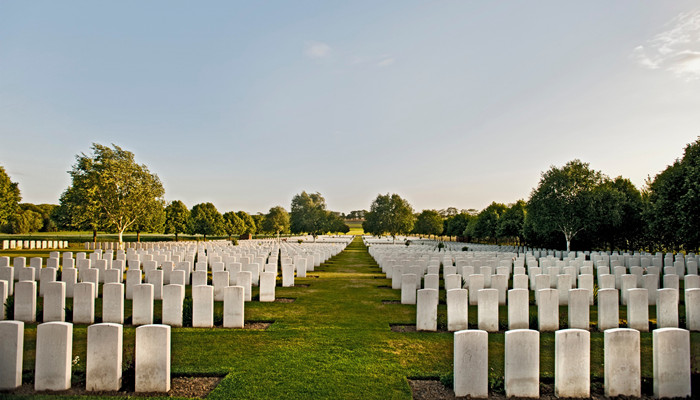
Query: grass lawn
pixel 334 341
pixel 355 228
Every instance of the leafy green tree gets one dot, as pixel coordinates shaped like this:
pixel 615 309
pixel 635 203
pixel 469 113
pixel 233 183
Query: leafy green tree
pixel 673 198
pixel 308 214
pixel 151 221
pixel 258 219
pixel 26 221
pixel 75 213
pixel 449 212
pixel 510 223
pixel 233 224
pixel 429 222
pixel 389 214
pixel 335 223
pixel 109 189
pixel 9 197
pixel 45 210
pixel 276 221
pixel 486 223
pixel 249 222
pixel 457 224
pixel 562 201
pixel 177 218
pixel 206 220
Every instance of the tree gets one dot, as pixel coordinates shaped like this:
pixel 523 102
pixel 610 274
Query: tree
pixel 205 220
pixel 110 190
pixel 258 219
pixel 176 218
pixel 457 224
pixel 511 222
pixel 233 224
pixel 276 221
pixel 389 214
pixel 152 220
pixel 356 214
pixel 249 223
pixel 308 214
pixel 486 223
pixel 335 223
pixel 673 202
pixel 45 211
pixel 26 221
pixel 429 222
pixel 562 201
pixel 449 212
pixel 9 197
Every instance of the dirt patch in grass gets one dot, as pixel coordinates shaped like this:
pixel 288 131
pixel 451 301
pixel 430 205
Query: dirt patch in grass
pixel 182 386
pixel 285 299
pixel 429 390
pixel 391 301
pixel 383 287
pixel 412 328
pixel 259 325
pixel 434 389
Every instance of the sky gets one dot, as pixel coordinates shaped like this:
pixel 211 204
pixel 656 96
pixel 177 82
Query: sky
pixel 447 103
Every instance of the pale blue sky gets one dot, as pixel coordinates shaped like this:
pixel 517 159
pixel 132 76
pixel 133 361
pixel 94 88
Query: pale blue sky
pixel 450 103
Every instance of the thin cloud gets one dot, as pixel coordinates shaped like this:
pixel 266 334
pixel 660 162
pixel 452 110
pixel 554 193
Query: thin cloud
pixel 317 50
pixel 387 61
pixel 676 50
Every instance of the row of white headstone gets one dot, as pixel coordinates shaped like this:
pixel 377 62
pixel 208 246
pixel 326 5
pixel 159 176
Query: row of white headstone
pixel 33 244
pixel 54 357
pixel 548 309
pixel 671 363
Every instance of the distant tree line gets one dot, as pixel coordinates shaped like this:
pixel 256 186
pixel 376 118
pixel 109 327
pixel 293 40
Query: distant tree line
pixel 573 207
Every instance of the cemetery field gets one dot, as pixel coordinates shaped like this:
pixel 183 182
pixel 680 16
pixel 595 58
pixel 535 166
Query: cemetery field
pixel 333 341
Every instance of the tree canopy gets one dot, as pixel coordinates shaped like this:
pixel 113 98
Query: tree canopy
pixel 206 220
pixel 151 221
pixel 308 214
pixel 563 200
pixel 233 224
pixel 673 202
pixel 429 222
pixel 9 197
pixel 110 190
pixel 249 226
pixel 276 220
pixel 177 217
pixel 389 214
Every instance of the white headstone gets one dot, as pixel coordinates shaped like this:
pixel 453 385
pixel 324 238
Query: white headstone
pixel 152 359
pixel 11 354
pixel 622 363
pixel 471 363
pixel 671 356
pixel 522 363
pixel 234 305
pixel 54 351
pixel 104 357
pixel 203 306
pixel 572 363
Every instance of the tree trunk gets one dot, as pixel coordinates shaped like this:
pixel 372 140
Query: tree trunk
pixel 176 236
pixel 121 240
pixel 205 237
pixel 138 236
pixel 94 236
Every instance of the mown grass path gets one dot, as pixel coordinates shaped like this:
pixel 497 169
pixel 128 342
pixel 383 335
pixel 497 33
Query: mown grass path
pixel 334 341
